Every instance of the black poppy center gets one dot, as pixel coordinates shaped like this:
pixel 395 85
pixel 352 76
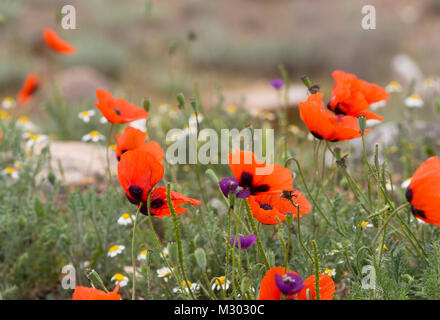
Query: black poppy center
pixel 265 206
pixel 117 111
pixel 157 203
pixel 246 182
pixel 135 193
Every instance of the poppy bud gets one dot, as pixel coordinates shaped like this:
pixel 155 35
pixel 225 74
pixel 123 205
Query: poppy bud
pixel 94 277
pixel 146 104
pixel 362 124
pixel 193 102
pixel 180 100
pixel 306 80
pixel 51 177
pixel 212 176
pixel 201 258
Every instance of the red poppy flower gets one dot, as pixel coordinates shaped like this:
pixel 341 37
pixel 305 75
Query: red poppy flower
pixel 117 110
pixel 423 191
pixel 159 205
pixel 323 124
pixel 131 139
pixel 30 85
pixel 267 207
pixel 85 293
pixel 326 288
pixel 352 96
pixel 56 43
pixel 138 172
pixel 258 177
pixel 271 289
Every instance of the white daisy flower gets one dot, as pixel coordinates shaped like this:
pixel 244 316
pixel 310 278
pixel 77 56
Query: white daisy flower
pixel 192 121
pixel 414 101
pixel 267 115
pixel 333 252
pixel 405 183
pixel 429 83
pixel 186 286
pixel 378 105
pixel 120 279
pixel 365 224
pixel 115 250
pixel 8 103
pixel 103 120
pixel 164 273
pixel 389 187
pixel 294 129
pixel 12 172
pixel 25 123
pixel 35 139
pixel 393 86
pixel 251 289
pixel 164 253
pixel 126 219
pixel 86 115
pixel 256 112
pixel 142 255
pixel 221 283
pixel 330 272
pixel 164 107
pixel 93 136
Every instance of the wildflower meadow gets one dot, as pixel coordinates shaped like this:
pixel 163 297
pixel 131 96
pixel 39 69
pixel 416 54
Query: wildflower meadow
pixel 145 179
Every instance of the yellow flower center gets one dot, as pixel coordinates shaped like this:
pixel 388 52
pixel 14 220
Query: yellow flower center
pixel 114 248
pixel 34 137
pixel 94 133
pixel 394 84
pixel 23 119
pixel 85 113
pixel 220 281
pixel 126 216
pixel 186 283
pixel 118 277
pixel 231 108
pixel 18 165
pixel 415 97
pixel 10 170
pixel 143 252
pixel 364 224
pixel 3 114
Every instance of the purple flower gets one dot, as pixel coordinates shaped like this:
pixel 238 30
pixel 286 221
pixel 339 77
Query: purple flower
pixel 228 185
pixel 277 83
pixel 289 283
pixel 243 242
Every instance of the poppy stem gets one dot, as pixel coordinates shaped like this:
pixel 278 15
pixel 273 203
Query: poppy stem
pixel 254 230
pixel 298 223
pixel 310 194
pixel 283 244
pixel 159 246
pixel 133 261
pixel 316 263
pixel 178 239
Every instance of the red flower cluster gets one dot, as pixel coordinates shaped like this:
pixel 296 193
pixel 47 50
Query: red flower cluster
pixel 267 202
pixel 351 98
pixel 272 288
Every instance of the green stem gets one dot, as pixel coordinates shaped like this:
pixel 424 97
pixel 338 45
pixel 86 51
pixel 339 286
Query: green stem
pixel 178 238
pixel 254 230
pixel 316 263
pixel 133 261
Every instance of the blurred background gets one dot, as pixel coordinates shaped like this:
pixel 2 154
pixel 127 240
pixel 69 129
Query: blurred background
pixel 158 48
